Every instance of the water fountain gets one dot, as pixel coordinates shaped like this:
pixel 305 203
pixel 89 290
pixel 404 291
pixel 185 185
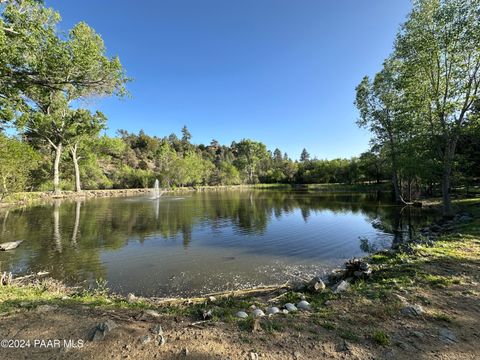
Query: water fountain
pixel 156 190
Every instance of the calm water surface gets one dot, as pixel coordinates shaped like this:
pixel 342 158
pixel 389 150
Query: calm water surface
pixel 202 242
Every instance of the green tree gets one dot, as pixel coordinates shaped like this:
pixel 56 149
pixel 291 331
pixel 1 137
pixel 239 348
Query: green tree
pixel 250 156
pixel 17 160
pixel 65 70
pixel 439 48
pixel 304 156
pixel 379 103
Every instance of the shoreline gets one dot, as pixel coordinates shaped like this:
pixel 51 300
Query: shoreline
pixel 41 197
pixel 419 298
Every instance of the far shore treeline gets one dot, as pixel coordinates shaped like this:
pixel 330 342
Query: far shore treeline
pixel 422 108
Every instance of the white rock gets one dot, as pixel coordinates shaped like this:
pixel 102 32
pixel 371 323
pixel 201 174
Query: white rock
pixel 273 310
pixel 241 314
pixel 342 286
pixel 290 307
pixel 131 298
pixel 303 305
pixel 258 313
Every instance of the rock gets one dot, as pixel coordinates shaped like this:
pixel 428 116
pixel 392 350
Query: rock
pixel 102 329
pixel 10 245
pixel 344 346
pixel 303 305
pixel 98 335
pixel 273 310
pixel 207 314
pixel 253 356
pixel 185 352
pixel 157 330
pixel 316 285
pixel 297 355
pixel 131 298
pixel 161 340
pixel 447 336
pixel 341 287
pixel 212 298
pixel 357 269
pixel 46 308
pixel 145 339
pixel 253 307
pixel 152 313
pixel 285 311
pixel 412 310
pixel 290 307
pixel 258 313
pixel 241 315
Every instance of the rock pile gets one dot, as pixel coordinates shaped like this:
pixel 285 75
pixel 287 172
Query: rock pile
pixel 357 269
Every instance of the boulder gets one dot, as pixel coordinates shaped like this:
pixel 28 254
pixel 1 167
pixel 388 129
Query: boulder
pixel 316 285
pixel 341 287
pixel 102 329
pixel 412 310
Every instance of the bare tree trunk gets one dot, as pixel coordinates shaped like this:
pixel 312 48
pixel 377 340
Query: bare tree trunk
pixel 56 166
pixel 73 151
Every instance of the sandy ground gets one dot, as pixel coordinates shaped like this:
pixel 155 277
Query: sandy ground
pixel 304 336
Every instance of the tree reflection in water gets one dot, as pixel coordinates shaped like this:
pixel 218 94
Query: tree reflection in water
pixel 68 238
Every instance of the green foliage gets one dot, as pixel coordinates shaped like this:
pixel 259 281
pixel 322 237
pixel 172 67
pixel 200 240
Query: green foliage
pixel 423 104
pixel 347 334
pixel 17 160
pixel 381 338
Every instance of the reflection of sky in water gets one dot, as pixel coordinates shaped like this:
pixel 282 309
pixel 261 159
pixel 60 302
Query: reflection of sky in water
pixel 198 243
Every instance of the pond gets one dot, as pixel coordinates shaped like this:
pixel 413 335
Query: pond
pixel 201 242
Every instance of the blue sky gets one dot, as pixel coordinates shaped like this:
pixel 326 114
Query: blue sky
pixel 279 71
